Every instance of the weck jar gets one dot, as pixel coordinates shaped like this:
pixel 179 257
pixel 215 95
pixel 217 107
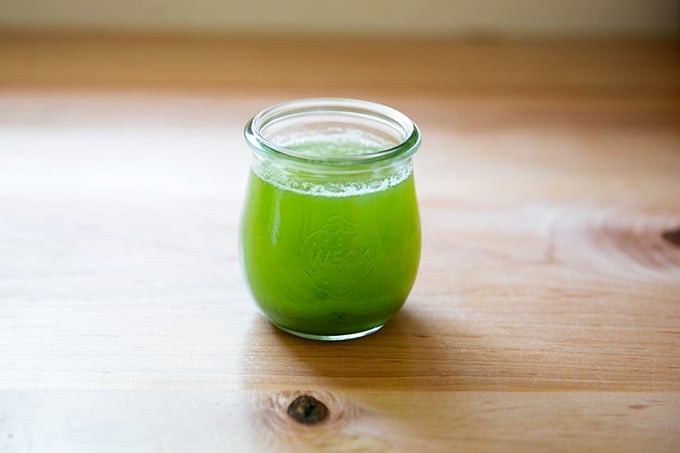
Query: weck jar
pixel 330 230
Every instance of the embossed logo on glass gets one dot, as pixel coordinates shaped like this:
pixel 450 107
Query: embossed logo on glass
pixel 339 255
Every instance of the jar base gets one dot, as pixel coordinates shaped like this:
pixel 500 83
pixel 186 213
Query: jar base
pixel 340 337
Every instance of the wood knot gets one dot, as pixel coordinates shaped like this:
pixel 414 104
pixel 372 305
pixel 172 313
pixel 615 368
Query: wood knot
pixel 307 410
pixel 672 236
pixel 313 420
pixel 641 239
pixel 297 412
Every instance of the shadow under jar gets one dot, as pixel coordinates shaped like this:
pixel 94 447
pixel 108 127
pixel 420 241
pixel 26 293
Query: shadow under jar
pixel 330 230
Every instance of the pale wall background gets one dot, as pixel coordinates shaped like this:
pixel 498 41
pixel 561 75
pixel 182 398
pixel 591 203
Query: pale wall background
pixel 392 17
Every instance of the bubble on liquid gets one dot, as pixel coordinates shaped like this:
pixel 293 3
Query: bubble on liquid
pixel 328 141
pixel 336 187
pixel 334 141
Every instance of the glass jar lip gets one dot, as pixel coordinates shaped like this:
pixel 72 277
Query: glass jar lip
pixel 406 147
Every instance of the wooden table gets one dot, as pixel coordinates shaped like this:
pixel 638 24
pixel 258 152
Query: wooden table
pixel 546 314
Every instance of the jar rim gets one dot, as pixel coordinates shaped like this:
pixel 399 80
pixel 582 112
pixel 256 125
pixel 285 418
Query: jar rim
pixel 407 145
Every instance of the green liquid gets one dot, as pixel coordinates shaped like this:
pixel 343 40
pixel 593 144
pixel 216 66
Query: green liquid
pixel 330 265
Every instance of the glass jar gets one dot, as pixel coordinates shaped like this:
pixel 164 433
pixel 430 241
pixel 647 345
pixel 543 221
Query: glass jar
pixel 330 230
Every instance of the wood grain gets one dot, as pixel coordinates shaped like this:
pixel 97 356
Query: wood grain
pixel 546 314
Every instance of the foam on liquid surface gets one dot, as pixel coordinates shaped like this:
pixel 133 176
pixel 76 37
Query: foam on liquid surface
pixel 333 142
